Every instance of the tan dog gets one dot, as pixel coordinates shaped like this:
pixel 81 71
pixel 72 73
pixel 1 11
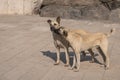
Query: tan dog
pixel 82 42
pixel 61 42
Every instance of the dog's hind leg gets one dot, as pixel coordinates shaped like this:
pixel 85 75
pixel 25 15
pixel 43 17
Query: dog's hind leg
pixel 106 60
pixel 103 50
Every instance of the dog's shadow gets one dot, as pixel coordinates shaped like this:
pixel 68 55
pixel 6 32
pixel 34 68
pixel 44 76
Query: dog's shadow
pixel 53 56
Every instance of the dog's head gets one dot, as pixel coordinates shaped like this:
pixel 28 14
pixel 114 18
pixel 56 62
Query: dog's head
pixel 54 25
pixel 62 31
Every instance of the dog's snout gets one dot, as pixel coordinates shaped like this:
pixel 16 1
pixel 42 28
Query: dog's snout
pixel 54 30
pixel 51 28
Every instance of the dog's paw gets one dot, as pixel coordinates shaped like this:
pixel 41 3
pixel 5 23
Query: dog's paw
pixel 91 61
pixel 70 68
pixel 56 63
pixel 102 65
pixel 66 65
pixel 106 68
pixel 76 70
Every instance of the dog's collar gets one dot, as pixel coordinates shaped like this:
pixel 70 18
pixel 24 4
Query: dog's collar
pixel 57 30
pixel 60 28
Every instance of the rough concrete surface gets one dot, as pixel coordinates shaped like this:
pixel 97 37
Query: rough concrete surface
pixel 27 51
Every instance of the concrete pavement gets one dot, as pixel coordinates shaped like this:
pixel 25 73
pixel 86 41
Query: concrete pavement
pixel 27 51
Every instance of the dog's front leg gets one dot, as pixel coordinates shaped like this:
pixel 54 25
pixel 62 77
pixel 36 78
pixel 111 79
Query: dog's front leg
pixel 67 57
pixel 77 55
pixel 58 56
pixel 74 62
pixel 92 55
pixel 57 52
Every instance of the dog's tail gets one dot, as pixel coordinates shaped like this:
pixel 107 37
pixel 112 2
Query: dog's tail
pixel 110 33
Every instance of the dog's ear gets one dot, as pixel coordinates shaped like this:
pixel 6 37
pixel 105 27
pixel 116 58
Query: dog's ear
pixel 58 19
pixel 49 21
pixel 65 33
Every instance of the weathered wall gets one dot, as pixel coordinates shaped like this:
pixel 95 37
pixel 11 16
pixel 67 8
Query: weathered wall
pixel 3 6
pixel 17 6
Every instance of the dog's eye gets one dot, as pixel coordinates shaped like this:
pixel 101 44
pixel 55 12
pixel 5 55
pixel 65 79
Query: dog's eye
pixel 55 24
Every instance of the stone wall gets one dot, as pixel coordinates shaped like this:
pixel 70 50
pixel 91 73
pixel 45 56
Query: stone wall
pixel 18 6
pixel 81 9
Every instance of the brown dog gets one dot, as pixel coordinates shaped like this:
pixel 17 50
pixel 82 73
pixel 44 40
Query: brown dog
pixel 61 42
pixel 82 42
